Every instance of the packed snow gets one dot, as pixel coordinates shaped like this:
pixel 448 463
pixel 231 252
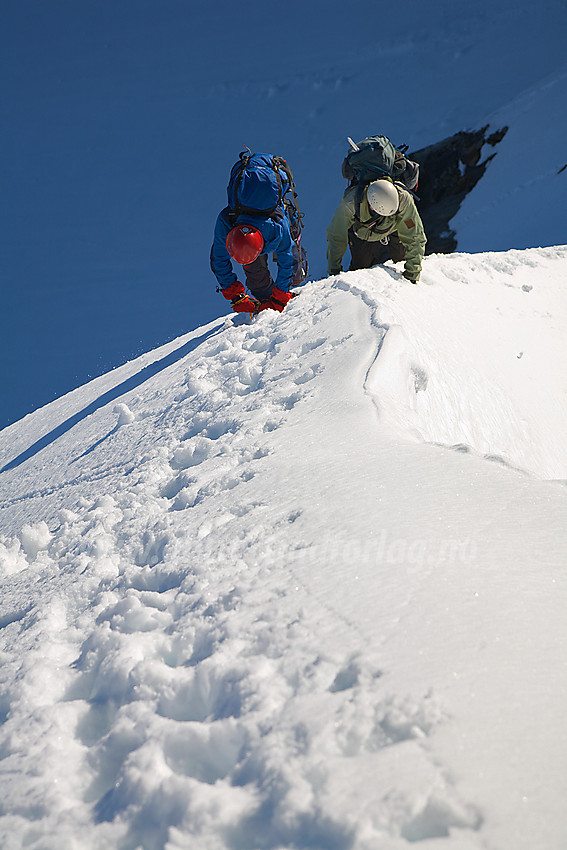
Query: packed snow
pixel 299 582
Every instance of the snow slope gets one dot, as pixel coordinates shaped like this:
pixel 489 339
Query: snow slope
pixel 521 199
pixel 299 583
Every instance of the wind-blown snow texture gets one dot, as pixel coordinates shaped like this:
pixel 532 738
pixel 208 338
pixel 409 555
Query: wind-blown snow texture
pixel 299 583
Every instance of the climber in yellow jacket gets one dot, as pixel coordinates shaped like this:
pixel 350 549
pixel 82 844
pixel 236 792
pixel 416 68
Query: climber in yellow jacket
pixel 385 210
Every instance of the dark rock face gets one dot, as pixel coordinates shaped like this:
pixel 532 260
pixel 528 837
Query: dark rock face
pixel 449 170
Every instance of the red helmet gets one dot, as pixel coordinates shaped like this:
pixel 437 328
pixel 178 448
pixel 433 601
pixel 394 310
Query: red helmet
pixel 244 243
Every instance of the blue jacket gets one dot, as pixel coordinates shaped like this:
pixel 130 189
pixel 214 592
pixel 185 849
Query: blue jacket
pixel 277 240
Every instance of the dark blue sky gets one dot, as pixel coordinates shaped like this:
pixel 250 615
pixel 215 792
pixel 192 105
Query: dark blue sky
pixel 96 191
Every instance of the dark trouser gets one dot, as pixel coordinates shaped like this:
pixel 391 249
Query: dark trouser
pixel 365 254
pixel 258 278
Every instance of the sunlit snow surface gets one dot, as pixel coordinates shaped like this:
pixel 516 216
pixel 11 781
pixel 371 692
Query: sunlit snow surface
pixel 299 583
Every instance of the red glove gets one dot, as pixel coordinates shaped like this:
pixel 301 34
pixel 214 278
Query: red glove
pixel 235 290
pixel 277 300
pixel 246 304
pixel 240 301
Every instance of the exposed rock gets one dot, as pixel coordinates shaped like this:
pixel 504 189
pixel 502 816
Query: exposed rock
pixel 449 170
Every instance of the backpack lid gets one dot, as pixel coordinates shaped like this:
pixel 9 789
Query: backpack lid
pixel 257 184
pixel 370 159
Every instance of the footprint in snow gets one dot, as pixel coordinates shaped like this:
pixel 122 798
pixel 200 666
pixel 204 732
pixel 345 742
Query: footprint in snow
pixel 420 378
pixel 189 455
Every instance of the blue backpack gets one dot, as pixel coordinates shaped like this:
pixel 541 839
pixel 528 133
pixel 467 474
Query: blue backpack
pixel 259 184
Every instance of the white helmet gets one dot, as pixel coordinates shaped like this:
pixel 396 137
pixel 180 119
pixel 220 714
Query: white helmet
pixel 382 197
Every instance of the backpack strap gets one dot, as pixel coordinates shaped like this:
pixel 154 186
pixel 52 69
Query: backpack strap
pixel 279 162
pixel 362 183
pixel 372 223
pixel 244 160
pixel 400 185
pixel 358 200
pixel 374 219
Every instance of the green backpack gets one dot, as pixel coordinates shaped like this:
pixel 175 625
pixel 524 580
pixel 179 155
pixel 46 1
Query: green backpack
pixel 376 157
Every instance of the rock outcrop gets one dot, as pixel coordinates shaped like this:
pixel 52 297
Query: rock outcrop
pixel 449 170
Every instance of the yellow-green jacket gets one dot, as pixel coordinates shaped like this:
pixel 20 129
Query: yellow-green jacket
pixel 406 223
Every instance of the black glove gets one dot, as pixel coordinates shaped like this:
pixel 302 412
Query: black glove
pixel 410 277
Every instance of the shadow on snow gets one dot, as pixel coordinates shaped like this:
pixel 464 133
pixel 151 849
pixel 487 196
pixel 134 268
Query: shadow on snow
pixel 126 386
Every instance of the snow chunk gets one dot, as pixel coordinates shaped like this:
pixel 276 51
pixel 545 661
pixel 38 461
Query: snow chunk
pixel 35 538
pixel 12 559
pixel 125 415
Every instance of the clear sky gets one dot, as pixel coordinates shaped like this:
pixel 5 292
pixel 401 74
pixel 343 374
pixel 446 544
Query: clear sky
pixel 96 196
